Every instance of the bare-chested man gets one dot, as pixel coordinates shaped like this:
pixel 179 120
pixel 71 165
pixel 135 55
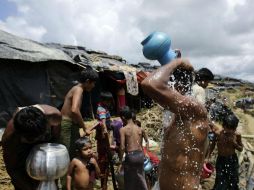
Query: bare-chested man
pixel 185 139
pixel 131 143
pixel 72 118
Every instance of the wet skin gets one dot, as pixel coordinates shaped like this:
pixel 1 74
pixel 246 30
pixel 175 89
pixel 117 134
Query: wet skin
pixel 185 138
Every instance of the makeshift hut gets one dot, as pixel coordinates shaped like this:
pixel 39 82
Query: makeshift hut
pixel 31 73
pixel 116 76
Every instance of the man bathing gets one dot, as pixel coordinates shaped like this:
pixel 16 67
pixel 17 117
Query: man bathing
pixel 185 139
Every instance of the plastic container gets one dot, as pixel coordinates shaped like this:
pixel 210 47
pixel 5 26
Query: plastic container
pixel 157 47
pixel 207 170
pixel 147 165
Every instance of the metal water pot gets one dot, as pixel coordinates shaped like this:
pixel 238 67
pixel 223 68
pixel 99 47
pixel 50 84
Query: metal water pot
pixel 47 162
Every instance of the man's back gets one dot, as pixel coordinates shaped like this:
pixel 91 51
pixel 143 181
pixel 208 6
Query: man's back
pixel 133 137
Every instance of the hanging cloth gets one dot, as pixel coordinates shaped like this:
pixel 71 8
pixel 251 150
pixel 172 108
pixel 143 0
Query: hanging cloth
pixel 131 82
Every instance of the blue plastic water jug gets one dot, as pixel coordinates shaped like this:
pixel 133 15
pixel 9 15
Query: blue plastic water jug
pixel 157 47
pixel 147 165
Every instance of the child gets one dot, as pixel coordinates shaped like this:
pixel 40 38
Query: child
pixel 227 140
pixel 103 135
pixel 131 144
pixel 84 168
pixel 72 119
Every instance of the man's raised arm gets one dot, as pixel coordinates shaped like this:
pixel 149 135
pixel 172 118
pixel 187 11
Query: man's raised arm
pixel 156 85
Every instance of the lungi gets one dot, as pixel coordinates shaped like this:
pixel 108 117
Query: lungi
pixel 69 134
pixel 134 176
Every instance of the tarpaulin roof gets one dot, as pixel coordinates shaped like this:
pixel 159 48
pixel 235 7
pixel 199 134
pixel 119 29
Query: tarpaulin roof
pixel 17 48
pixel 96 59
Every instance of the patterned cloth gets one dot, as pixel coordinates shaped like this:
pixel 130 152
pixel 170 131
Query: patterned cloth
pixel 102 113
pixel 131 82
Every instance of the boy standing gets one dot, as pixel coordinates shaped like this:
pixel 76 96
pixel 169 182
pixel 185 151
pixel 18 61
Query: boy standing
pixel 228 140
pixel 103 136
pixel 131 143
pixel 83 169
pixel 72 118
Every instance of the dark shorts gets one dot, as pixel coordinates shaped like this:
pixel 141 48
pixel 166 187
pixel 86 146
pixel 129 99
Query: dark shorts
pixel 227 173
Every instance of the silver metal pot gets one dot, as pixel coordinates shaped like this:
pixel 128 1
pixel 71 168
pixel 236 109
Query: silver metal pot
pixel 47 162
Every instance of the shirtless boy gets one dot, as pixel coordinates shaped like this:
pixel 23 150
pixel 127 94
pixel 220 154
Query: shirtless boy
pixel 72 118
pixel 131 143
pixel 83 169
pixel 228 141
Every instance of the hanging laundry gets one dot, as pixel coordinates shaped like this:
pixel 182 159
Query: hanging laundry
pixel 131 82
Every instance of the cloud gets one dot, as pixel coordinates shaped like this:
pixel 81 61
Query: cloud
pixel 19 26
pixel 215 34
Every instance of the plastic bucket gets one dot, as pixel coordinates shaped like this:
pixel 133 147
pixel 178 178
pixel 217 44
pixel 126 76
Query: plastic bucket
pixel 207 170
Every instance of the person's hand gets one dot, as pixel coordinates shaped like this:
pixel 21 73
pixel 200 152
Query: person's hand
pixel 93 161
pixel 185 65
pixel 206 160
pixel 95 155
pixel 113 147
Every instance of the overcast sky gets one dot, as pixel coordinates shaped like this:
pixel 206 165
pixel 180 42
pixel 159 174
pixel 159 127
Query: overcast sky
pixel 218 34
